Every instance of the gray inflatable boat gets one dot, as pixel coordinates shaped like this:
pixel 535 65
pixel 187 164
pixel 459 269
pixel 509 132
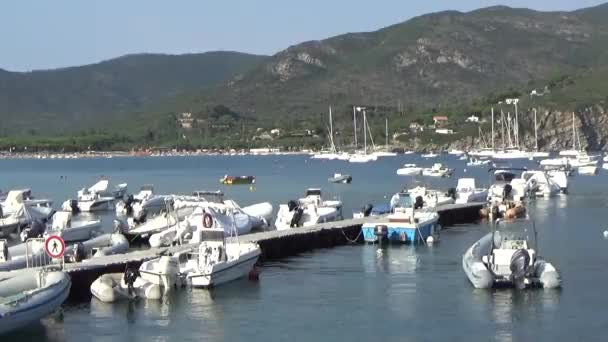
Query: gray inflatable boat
pixel 508 257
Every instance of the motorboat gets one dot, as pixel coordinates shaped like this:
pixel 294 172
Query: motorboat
pixel 95 198
pixel 23 216
pixel 484 152
pixel 437 170
pixel 112 287
pixel 167 271
pixel 540 184
pixel 463 157
pixel 220 259
pixel 587 170
pixel 456 152
pixel 426 198
pixel 468 192
pixel 560 177
pixel 29 296
pixel 478 162
pixel 404 224
pixel 71 230
pixel 235 180
pixel 144 199
pixel 340 178
pixel 429 155
pixel 506 197
pixel 409 170
pixel 33 253
pixel 362 158
pixel 508 256
pixel 14 198
pixel 307 211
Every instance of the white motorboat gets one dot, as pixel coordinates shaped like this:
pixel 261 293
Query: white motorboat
pixel 22 216
pixel 560 177
pixel 29 296
pixel 429 155
pixel 362 158
pixel 409 170
pixel 144 199
pixel 478 162
pixel 508 256
pixel 456 152
pixel 71 230
pixel 430 198
pixel 220 260
pixel 587 170
pixel 340 178
pixel 112 287
pixel 539 184
pixel 15 198
pixel 307 211
pixel 437 170
pixel 484 152
pixel 95 198
pixel 468 192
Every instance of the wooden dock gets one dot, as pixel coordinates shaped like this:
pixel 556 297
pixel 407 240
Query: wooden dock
pixel 274 244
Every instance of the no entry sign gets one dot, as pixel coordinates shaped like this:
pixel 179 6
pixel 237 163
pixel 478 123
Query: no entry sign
pixel 55 246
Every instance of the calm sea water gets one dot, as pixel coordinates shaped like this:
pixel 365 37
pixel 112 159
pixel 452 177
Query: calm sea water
pixel 354 293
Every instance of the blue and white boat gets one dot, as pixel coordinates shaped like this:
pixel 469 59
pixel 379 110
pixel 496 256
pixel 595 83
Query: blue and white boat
pixel 404 225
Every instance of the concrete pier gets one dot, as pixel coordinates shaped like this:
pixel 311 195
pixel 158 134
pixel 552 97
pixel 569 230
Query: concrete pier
pixel 274 245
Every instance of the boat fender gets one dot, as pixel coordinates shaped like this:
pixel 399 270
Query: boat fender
pixel 381 231
pixel 297 216
pixel 419 203
pixel 254 274
pixel 207 220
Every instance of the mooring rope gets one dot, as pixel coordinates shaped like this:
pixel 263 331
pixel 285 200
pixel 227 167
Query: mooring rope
pixel 350 240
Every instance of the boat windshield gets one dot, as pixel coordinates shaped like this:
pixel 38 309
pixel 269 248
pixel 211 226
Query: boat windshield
pixel 211 196
pixel 514 233
pixel 405 201
pixel 212 235
pixel 313 192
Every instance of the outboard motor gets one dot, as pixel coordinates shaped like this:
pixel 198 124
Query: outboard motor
pixel 367 210
pixel 35 229
pixel 292 205
pixel 129 205
pixel 297 216
pixel 507 191
pixel 131 274
pixel 79 253
pixel 452 193
pixel 419 203
pixel 141 218
pixel 3 251
pixel 519 265
pixel 381 233
pixel 74 207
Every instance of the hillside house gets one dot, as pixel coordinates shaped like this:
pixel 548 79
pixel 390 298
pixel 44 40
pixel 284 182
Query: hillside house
pixel 473 119
pixel 440 121
pixel 185 120
pixel 416 127
pixel 444 131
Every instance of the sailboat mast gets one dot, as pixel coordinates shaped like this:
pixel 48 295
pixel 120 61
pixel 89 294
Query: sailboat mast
pixel 355 124
pixel 516 128
pixel 386 133
pixel 573 134
pixel 502 125
pixel 364 133
pixel 509 127
pixel 492 128
pixel 535 132
pixel 331 132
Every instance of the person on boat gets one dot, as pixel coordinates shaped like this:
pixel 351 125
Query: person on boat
pixel 394 201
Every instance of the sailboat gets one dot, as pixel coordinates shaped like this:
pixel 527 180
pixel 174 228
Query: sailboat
pixel 332 153
pixel 363 157
pixel 575 158
pixel 513 151
pixel 386 152
pixel 574 152
pixel 485 152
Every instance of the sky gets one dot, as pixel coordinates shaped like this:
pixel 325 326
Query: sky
pixel 45 34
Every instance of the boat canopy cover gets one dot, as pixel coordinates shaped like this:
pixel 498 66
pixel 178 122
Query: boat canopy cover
pixel 381 208
pixel 465 184
pixel 100 186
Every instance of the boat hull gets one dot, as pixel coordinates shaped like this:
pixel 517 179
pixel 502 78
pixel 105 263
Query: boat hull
pixel 37 305
pixel 400 232
pixel 226 272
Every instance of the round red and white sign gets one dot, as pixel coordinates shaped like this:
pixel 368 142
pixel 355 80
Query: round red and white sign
pixel 55 246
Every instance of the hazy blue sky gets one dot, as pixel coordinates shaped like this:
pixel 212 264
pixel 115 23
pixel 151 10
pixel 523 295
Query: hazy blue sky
pixel 36 34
